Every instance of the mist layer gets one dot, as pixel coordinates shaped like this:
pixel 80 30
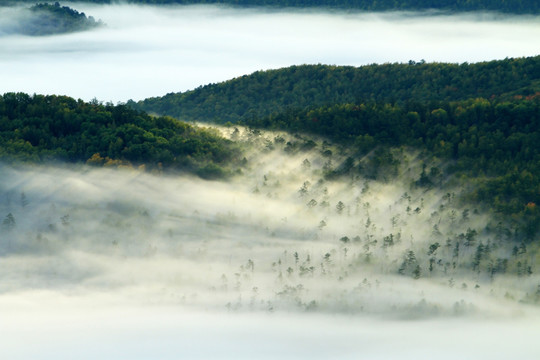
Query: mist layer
pixel 150 51
pixel 279 261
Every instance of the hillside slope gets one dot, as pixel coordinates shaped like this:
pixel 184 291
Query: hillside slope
pixel 265 92
pixel 43 128
pixel 483 120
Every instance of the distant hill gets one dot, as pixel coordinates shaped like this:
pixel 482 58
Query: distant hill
pixel 48 19
pixel 510 6
pixel 298 87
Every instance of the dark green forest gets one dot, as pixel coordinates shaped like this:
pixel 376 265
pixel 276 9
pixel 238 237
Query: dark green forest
pixel 510 6
pixel 481 120
pixel 266 92
pixel 41 129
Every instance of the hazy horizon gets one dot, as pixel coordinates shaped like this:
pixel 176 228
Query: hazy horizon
pixel 147 51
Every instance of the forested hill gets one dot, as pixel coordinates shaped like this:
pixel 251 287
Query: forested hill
pixel 493 147
pixel 42 128
pixel 48 19
pixel 265 92
pixel 511 6
pixel 482 120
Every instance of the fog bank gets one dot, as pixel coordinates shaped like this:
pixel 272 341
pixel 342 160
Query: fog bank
pixel 84 332
pixel 278 261
pixel 150 51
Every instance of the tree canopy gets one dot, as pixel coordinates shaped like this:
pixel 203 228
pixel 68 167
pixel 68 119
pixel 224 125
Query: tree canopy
pixel 490 144
pixel 43 128
pixel 481 120
pixel 299 87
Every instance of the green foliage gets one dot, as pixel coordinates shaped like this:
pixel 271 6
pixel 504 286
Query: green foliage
pixel 482 120
pixel 58 128
pixel 491 144
pixel 274 93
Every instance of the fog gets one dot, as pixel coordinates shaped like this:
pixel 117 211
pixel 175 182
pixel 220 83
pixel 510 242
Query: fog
pixel 104 263
pixel 278 261
pixel 150 51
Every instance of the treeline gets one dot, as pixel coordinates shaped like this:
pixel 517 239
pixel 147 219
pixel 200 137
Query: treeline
pixel 266 92
pixel 42 128
pixel 510 6
pixel 491 147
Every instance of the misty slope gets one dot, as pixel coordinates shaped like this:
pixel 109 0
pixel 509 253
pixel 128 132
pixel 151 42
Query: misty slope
pixel 490 142
pixel 279 237
pixel 40 129
pixel 265 92
pixel 99 262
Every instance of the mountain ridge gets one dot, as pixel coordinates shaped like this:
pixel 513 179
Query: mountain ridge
pixel 301 86
pixel 509 6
